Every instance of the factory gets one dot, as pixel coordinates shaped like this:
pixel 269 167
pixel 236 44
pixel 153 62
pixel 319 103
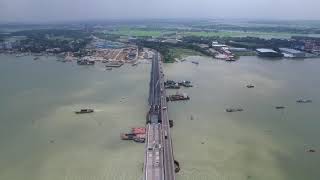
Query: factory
pixel 292 53
pixel 263 52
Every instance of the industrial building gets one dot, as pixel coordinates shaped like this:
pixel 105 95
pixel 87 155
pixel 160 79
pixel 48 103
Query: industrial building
pixel 215 44
pixel 287 52
pixel 268 53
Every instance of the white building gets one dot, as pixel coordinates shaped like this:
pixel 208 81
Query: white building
pixel 287 52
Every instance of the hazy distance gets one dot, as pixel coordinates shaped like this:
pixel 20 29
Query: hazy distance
pixel 68 10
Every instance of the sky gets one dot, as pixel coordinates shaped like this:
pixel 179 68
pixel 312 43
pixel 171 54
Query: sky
pixel 68 10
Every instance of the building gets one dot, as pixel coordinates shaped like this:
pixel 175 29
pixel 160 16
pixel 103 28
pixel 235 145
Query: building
pixel 7 45
pixel 215 44
pixel 268 53
pixel 172 41
pixel 233 49
pixel 1 45
pixel 287 52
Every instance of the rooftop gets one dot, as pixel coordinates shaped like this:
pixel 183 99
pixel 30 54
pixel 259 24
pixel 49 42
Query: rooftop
pixel 264 50
pixel 291 51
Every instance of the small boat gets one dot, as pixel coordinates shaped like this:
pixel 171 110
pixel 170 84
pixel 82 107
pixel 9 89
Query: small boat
pixel 139 140
pixel 36 58
pixel 304 101
pixel 234 110
pixel 250 86
pixel 195 62
pixel 280 107
pixel 135 64
pixel 84 111
pixel 311 150
pixel 109 69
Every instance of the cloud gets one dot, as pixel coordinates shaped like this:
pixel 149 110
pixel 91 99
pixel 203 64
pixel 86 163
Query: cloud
pixel 59 10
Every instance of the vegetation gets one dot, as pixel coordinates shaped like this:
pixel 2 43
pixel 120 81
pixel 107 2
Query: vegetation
pixel 139 32
pixel 63 40
pixel 244 42
pixel 171 51
pixel 46 33
pixel 179 53
pixel 110 37
pixel 219 30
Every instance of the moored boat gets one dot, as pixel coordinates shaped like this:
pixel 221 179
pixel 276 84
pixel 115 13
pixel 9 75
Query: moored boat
pixel 304 101
pixel 84 111
pixel 234 109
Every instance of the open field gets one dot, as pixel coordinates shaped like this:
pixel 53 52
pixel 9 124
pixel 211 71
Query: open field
pixel 266 35
pixel 181 52
pixel 158 33
pixel 137 32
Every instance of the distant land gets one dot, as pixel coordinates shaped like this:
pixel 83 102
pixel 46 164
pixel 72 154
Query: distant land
pixel 173 38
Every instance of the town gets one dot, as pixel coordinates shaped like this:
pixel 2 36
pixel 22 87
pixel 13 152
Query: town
pixel 89 46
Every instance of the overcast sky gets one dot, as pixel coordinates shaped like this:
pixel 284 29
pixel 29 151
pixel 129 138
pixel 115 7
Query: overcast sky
pixel 65 10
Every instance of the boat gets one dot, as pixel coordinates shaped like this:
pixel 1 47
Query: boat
pixel 195 62
pixel 36 58
pixel 234 109
pixel 139 140
pixel 185 84
pixel 172 86
pixel 109 68
pixel 114 64
pixel 176 166
pixel 280 107
pixel 84 111
pixel 85 62
pixel 135 64
pixel 171 123
pixel 178 97
pixel 304 101
pixel 230 59
pixel 250 86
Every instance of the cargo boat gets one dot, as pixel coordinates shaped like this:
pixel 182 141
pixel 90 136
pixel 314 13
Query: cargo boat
pixel 185 84
pixel 85 62
pixel 178 97
pixel 137 135
pixel 304 101
pixel 234 110
pixel 114 64
pixel 84 111
pixel 175 86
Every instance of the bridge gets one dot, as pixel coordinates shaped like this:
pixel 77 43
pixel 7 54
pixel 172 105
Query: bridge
pixel 158 160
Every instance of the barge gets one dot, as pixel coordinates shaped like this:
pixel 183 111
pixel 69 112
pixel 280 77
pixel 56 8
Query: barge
pixel 84 111
pixel 137 135
pixel 114 64
pixel 178 97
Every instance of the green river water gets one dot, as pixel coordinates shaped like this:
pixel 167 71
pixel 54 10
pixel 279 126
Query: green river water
pixel 42 139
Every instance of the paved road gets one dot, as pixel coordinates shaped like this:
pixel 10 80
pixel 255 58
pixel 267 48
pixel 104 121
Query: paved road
pixel 159 161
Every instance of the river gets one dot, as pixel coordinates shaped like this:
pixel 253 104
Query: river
pixel 42 139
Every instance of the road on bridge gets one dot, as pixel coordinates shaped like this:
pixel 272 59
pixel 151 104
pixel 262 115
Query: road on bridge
pixel 159 160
